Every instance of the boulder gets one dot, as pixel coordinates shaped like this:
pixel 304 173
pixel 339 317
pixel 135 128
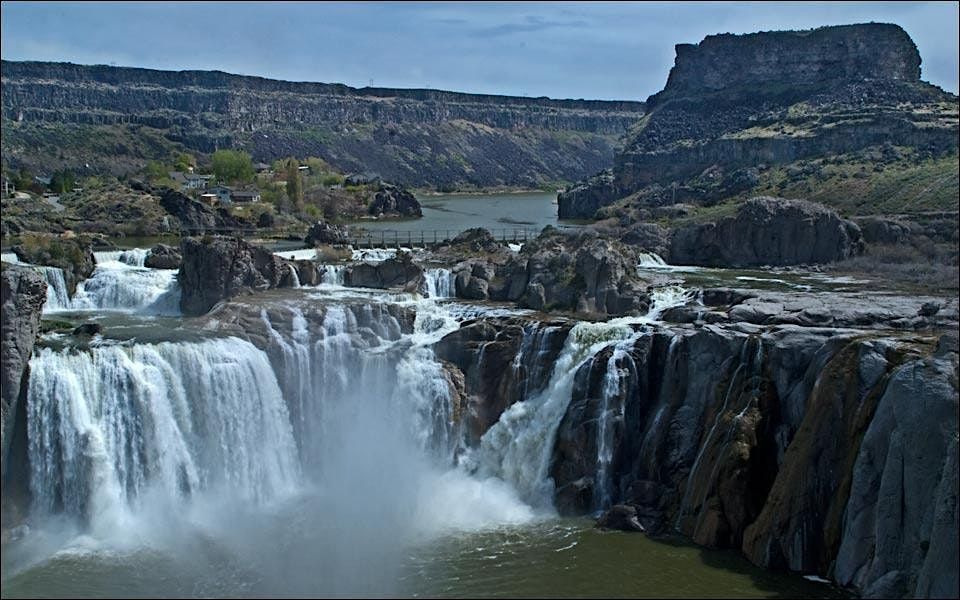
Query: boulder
pixel 399 272
pixel 768 231
pixel 163 257
pixel 575 272
pixel 880 230
pixel 393 200
pixel 622 517
pixel 322 232
pixel 88 329
pixel 22 293
pixel 215 268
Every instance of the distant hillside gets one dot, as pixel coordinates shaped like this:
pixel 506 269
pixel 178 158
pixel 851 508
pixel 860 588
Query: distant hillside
pixel 66 116
pixel 836 114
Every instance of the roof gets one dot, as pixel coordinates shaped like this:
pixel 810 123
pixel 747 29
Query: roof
pixel 250 193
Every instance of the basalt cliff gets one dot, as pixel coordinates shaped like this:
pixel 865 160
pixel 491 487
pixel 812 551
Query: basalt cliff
pixel 59 115
pixel 838 115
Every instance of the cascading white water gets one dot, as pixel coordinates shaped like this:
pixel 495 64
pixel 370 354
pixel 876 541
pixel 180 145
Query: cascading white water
pixel 607 419
pixel 119 282
pixel 439 283
pixel 57 296
pixel 651 260
pixel 9 257
pixel 108 426
pixel 333 274
pixel 518 447
pixel 121 287
pixel 294 276
pixel 134 257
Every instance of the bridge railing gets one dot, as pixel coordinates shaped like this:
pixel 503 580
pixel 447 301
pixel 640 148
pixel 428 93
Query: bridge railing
pixel 377 238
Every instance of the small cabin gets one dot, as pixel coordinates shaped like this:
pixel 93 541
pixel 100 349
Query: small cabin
pixel 245 196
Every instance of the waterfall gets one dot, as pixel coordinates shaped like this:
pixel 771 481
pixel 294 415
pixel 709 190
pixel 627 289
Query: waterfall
pixel 519 446
pixel 533 348
pixel 9 257
pixel 114 424
pixel 294 276
pixel 333 274
pixel 439 283
pixel 134 257
pixel 116 285
pixel 651 260
pixel 608 418
pixel 119 286
pixel 57 296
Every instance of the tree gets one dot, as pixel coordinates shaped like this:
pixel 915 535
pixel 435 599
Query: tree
pixel 62 182
pixel 184 162
pixel 232 166
pixel 294 185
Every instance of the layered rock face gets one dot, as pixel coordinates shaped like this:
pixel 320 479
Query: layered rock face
pixel 23 294
pixel 828 451
pixel 215 268
pixel 472 139
pixel 768 231
pixel 736 102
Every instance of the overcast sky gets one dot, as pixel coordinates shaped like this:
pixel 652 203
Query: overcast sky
pixel 561 50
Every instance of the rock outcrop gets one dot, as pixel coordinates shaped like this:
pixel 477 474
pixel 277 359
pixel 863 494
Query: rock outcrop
pixel 736 105
pixel 322 232
pixel 620 516
pixel 768 231
pixel 827 450
pixel 574 272
pixel 72 255
pixel 22 294
pixel 393 200
pixel 163 257
pixel 215 268
pixel 399 272
pixel 195 217
pixel 585 198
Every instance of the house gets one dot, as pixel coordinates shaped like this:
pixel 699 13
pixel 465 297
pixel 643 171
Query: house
pixel 209 199
pixel 245 196
pixel 190 181
pixel 44 181
pixel 197 182
pixel 262 167
pixel 222 192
